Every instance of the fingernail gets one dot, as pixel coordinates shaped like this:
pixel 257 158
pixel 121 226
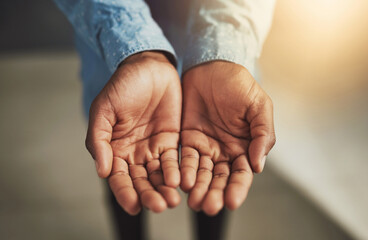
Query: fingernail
pixel 263 161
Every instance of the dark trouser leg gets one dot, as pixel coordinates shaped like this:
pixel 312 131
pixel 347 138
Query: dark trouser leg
pixel 126 227
pixel 210 228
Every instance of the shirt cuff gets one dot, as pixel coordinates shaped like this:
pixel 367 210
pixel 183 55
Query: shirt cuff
pixel 220 42
pixel 129 34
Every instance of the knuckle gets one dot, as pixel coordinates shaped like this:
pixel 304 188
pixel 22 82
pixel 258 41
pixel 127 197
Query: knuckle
pixel 118 173
pixel 221 175
pixel 189 167
pixel 190 156
pixel 169 159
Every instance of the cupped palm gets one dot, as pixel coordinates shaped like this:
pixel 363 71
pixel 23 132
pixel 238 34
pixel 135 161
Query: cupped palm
pixel 227 130
pixel 134 133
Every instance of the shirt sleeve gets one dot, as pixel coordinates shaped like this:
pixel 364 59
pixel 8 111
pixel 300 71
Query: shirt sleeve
pixel 116 29
pixel 230 30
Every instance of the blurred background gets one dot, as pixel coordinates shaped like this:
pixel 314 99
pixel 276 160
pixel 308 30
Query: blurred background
pixel 315 67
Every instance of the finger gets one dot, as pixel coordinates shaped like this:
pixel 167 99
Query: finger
pixel 263 135
pixel 240 180
pixel 156 178
pixel 122 187
pixel 170 167
pixel 214 200
pixel 150 198
pixel 98 139
pixel 188 168
pixel 203 181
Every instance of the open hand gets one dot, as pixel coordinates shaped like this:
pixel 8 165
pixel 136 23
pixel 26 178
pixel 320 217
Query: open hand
pixel 227 131
pixel 133 133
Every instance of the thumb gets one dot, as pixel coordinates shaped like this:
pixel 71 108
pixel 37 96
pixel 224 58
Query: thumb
pixel 262 132
pixel 100 126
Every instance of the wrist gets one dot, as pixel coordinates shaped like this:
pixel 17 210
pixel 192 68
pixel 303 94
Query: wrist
pixel 160 56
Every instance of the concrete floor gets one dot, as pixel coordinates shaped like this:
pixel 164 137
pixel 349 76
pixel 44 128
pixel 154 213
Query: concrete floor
pixel 48 185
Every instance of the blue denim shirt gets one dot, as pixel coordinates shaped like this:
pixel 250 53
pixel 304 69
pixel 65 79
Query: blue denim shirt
pixel 191 32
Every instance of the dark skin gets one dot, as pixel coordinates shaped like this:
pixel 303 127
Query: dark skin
pixel 133 133
pixel 226 130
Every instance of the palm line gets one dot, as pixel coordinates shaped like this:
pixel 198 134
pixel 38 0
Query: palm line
pixel 145 138
pixel 211 123
pixel 216 108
